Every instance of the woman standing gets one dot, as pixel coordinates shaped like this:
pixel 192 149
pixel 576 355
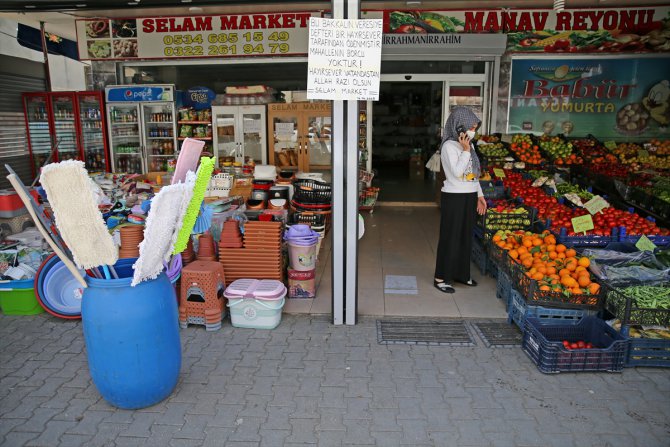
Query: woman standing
pixel 461 197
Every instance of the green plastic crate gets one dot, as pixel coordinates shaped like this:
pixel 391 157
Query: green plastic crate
pixel 18 298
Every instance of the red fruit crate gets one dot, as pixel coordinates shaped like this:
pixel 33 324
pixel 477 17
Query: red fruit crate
pixel 543 343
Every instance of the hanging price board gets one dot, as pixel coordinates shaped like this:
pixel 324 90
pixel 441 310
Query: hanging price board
pixel 644 244
pixel 596 204
pixel 540 181
pixel 582 224
pixel 499 172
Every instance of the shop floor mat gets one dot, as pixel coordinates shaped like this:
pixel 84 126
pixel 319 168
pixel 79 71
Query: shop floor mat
pixel 497 334
pixel 400 285
pixel 424 332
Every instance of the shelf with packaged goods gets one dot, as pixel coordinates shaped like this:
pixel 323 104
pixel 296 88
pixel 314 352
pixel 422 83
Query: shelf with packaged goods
pixel 159 122
pixel 195 122
pixel 160 138
pixel 196 138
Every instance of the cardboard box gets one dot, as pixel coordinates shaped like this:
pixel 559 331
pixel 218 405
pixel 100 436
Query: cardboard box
pixel 301 283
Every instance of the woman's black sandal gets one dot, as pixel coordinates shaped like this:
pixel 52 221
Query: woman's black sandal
pixel 443 286
pixel 470 283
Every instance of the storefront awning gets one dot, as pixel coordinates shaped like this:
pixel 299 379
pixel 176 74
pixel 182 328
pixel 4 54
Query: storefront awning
pixel 421 46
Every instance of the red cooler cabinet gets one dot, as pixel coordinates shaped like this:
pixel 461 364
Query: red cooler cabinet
pixel 70 123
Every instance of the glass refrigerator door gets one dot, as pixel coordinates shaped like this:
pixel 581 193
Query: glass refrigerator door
pixel 253 137
pixel 227 147
pixel 37 117
pixel 124 136
pixel 92 132
pixel 158 128
pixel 65 130
pixel 317 142
pixel 286 145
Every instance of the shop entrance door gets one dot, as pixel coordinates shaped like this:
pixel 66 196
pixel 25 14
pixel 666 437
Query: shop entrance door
pixel 407 123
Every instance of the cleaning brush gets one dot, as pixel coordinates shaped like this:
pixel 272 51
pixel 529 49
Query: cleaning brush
pixel 70 192
pixel 188 159
pixel 204 174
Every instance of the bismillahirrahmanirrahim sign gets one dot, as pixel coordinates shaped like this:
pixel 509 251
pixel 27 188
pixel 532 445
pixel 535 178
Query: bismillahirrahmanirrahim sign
pixel 344 59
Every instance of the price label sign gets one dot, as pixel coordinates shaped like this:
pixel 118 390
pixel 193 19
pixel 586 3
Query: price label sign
pixel 596 204
pixel 499 172
pixel 644 244
pixel 582 224
pixel 574 198
pixel 540 181
pixel 610 145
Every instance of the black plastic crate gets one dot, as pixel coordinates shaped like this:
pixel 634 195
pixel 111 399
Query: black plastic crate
pixel 626 308
pixel 660 207
pixel 312 191
pixel 640 197
pixel 307 218
pixel 543 343
pixel 479 257
pixel 493 221
pixel 500 258
pixel 530 290
pixel 503 287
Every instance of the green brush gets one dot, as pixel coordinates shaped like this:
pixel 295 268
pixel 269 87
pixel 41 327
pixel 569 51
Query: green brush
pixel 204 174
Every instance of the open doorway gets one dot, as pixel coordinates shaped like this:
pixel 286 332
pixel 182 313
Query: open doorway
pixel 405 133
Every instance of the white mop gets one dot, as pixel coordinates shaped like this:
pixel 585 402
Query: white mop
pixel 70 192
pixel 165 220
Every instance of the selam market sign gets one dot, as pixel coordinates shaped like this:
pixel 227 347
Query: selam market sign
pixel 234 35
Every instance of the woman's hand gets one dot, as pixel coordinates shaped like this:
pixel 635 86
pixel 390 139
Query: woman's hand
pixel 465 142
pixel 481 205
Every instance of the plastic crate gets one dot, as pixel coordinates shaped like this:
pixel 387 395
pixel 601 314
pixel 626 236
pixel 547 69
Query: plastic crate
pixel 625 308
pixel 543 343
pixel 639 197
pixel 648 352
pixel 660 207
pixel 17 297
pixel 589 240
pixel 530 290
pixel 310 191
pixel 518 311
pixel 500 258
pixel 493 189
pixel 659 241
pixel 493 221
pixel 491 268
pixel 503 286
pixel 479 255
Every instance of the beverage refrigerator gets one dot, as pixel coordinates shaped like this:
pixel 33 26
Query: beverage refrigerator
pixel 142 127
pixel 66 126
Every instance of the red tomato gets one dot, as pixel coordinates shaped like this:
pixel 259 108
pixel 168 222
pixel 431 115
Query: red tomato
pixel 410 29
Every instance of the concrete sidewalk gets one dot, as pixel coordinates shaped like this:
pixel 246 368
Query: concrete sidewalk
pixel 310 383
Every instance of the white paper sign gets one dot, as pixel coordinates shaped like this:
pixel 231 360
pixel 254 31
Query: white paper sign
pixel 344 59
pixel 251 126
pixel 285 129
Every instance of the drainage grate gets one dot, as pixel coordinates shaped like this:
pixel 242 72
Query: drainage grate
pixel 498 334
pixel 445 333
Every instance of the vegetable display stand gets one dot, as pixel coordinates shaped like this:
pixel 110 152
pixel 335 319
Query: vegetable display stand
pixel 659 241
pixel 518 311
pixel 639 305
pixel 132 338
pixel 520 219
pixel 543 343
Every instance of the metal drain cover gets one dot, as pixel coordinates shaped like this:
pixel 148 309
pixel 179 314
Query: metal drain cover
pixel 498 334
pixel 446 333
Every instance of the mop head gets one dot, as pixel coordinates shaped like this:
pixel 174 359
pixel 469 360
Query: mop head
pixel 165 219
pixel 188 159
pixel 204 174
pixel 71 193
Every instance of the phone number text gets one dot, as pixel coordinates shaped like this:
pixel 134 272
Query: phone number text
pixel 222 44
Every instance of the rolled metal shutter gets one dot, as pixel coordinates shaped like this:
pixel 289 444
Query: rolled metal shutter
pixel 13 141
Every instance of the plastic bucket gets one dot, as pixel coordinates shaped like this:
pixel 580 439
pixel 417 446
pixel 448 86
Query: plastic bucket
pixel 132 338
pixel 302 257
pixel 254 313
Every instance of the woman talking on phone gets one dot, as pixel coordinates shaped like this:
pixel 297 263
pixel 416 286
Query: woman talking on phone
pixel 461 198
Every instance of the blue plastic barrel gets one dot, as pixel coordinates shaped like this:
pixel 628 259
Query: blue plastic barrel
pixel 132 338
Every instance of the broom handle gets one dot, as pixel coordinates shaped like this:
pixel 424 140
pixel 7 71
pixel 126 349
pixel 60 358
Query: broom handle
pixel 26 201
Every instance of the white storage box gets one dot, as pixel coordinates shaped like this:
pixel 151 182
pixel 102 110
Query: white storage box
pixel 256 303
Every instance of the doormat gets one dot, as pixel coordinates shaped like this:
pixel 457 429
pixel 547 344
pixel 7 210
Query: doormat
pixel 400 285
pixel 423 332
pixel 498 334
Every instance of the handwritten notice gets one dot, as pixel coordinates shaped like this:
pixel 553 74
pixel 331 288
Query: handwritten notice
pixel 251 126
pixel 344 59
pixel 285 129
pixel 596 204
pixel 644 244
pixel 499 172
pixel 582 224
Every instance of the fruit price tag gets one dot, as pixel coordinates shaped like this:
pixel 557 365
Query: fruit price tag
pixel 582 224
pixel 643 153
pixel 610 144
pixel 499 172
pixel 540 181
pixel 574 198
pixel 596 204
pixel 506 138
pixel 644 244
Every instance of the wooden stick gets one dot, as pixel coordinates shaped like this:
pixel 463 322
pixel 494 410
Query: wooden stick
pixel 26 201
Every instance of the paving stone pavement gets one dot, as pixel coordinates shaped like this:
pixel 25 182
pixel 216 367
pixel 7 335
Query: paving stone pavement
pixel 310 383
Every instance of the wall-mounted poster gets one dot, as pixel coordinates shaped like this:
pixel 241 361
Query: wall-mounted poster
pixel 611 98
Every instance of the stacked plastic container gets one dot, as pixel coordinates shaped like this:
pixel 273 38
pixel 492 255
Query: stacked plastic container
pixel 256 303
pixel 302 250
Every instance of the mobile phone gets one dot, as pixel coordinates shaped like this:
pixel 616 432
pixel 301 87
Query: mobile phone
pixel 461 129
